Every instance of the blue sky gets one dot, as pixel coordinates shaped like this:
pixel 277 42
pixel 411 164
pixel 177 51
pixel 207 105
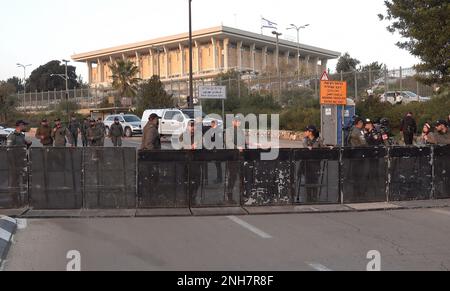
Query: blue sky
pixel 35 32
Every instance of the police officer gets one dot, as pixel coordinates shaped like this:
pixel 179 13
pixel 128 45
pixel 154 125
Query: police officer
pixel 44 134
pixel 116 133
pixel 357 136
pixel 151 139
pixel 372 135
pixel 191 143
pixel 17 138
pixel 61 135
pixel 74 129
pixel 84 129
pixel 94 134
pixel 442 135
pixel 235 139
pixel 409 128
pixel 312 138
pixel 102 128
pixel 217 135
pixel 311 169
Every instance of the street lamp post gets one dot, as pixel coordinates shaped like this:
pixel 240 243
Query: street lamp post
pixel 278 34
pixel 191 69
pixel 67 88
pixel 24 74
pixel 298 28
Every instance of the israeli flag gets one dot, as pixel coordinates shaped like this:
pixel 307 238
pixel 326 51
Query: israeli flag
pixel 265 23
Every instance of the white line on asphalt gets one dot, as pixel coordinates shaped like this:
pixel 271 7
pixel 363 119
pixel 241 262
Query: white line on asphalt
pixel 2 266
pixel 6 218
pixel 440 211
pixel 250 227
pixel 5 235
pixel 319 267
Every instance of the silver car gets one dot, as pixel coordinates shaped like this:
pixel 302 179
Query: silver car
pixel 131 124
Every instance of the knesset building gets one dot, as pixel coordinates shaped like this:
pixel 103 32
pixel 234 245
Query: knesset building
pixel 215 50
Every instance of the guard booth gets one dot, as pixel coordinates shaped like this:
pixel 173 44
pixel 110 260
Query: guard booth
pixel 335 118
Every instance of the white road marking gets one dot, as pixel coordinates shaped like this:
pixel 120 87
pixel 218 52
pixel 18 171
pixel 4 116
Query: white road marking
pixel 441 211
pixel 5 235
pixel 9 219
pixel 319 267
pixel 250 227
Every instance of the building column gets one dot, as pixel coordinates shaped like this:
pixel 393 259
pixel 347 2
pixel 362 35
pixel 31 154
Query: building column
pixel 239 55
pixel 307 64
pixel 226 45
pixel 124 57
pixel 151 63
pixel 316 65
pixel 182 60
pixel 253 56
pixel 197 63
pixel 287 55
pixel 166 60
pixel 89 64
pixel 264 58
pixel 214 51
pixel 138 64
pixel 324 64
pixel 100 71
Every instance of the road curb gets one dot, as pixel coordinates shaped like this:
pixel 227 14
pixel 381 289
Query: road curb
pixel 8 227
pixel 225 211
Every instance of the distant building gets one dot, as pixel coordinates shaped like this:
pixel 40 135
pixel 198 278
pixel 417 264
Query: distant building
pixel 216 50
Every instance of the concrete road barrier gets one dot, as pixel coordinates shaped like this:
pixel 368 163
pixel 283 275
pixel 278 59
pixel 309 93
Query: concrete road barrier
pixel 8 227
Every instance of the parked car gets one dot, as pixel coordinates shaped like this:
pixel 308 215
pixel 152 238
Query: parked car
pixel 4 133
pixel 175 121
pixel 131 124
pixel 402 97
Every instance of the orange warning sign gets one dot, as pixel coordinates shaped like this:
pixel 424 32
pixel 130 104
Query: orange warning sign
pixel 333 93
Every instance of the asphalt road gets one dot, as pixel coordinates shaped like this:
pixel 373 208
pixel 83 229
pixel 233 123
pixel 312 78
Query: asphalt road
pixel 406 240
pixel 136 142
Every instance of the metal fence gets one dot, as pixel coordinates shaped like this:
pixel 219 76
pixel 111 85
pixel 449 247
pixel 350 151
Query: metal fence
pixel 110 178
pixel 360 85
pixel 84 98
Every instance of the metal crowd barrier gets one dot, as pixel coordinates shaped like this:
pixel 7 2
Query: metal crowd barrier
pixel 13 177
pixel 121 178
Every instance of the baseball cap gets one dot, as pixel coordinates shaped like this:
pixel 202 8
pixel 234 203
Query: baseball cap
pixel 57 120
pixel 44 120
pixel 21 122
pixel 368 121
pixel 154 116
pixel 311 128
pixel 441 122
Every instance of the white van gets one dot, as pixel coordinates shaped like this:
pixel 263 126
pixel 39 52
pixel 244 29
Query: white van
pixel 175 121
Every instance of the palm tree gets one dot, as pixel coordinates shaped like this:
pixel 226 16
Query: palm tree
pixel 124 77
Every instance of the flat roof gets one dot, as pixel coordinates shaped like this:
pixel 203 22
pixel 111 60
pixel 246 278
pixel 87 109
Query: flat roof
pixel 220 32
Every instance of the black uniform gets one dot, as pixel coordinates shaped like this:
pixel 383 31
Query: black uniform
pixel 409 128
pixel 74 128
pixel 84 131
pixel 311 171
